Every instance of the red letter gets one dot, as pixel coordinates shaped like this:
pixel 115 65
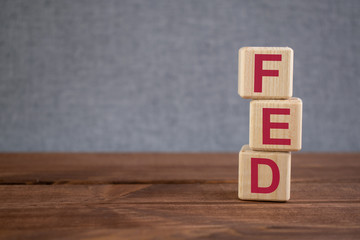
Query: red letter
pixel 267 125
pixel 259 72
pixel 254 175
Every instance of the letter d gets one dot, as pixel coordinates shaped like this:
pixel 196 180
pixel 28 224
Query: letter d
pixel 255 178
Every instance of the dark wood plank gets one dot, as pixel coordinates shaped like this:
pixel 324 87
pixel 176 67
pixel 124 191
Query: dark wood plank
pixel 12 196
pixel 79 168
pixel 82 168
pixel 171 196
pixel 229 220
pixel 177 211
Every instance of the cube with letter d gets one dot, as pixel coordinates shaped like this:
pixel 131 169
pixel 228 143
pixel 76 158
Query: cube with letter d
pixel 264 176
pixel 266 72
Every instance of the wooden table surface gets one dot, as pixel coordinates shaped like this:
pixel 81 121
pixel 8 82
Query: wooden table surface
pixel 171 196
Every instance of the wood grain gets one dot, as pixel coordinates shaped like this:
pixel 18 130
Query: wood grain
pixel 172 196
pixel 211 208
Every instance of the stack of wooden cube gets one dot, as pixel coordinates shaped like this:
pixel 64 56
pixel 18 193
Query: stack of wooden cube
pixel 266 76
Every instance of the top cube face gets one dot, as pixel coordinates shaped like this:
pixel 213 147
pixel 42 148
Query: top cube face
pixel 266 72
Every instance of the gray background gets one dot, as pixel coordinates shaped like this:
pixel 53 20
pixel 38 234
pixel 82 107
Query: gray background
pixel 162 75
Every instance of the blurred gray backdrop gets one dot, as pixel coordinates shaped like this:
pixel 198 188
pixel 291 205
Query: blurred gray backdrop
pixel 162 75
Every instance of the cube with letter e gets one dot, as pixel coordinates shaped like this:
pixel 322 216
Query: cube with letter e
pixel 275 125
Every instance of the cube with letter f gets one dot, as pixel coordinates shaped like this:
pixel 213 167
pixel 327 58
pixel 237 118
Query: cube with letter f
pixel 266 72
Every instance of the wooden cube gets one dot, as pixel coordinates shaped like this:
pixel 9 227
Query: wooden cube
pixel 264 176
pixel 275 125
pixel 266 72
